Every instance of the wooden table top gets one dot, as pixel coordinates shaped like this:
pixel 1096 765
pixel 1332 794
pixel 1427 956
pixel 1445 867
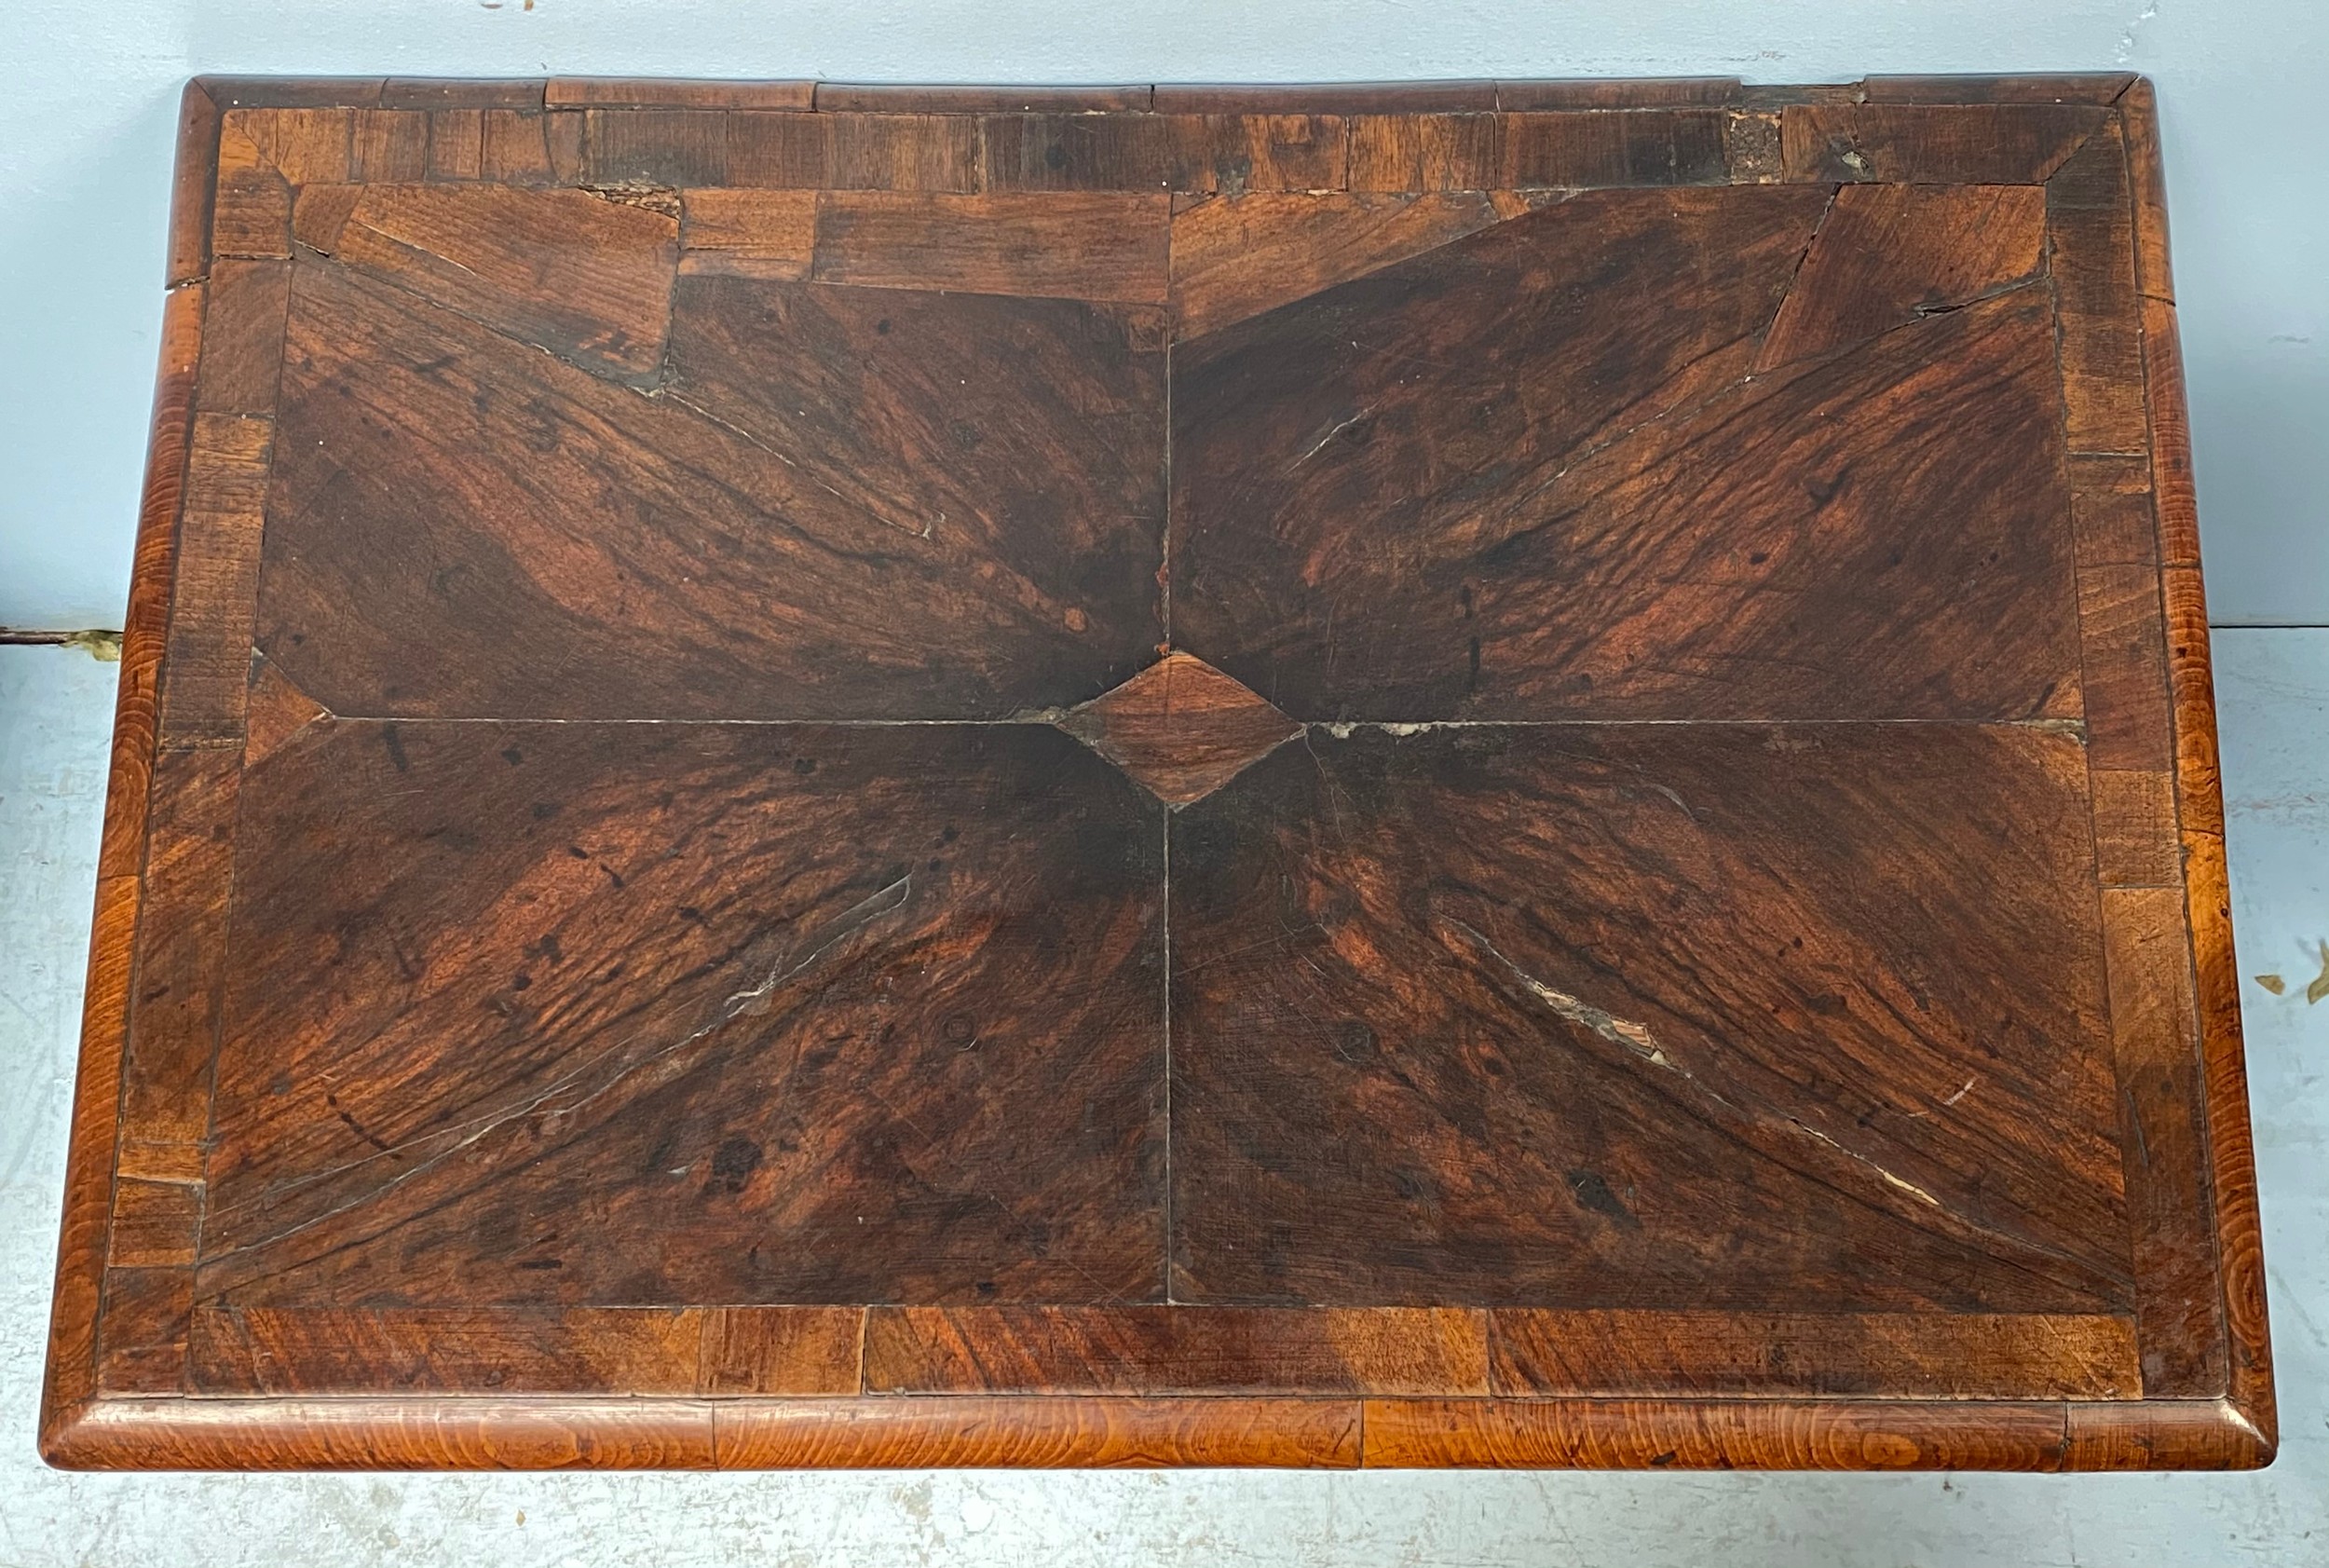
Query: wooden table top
pixel 1461 773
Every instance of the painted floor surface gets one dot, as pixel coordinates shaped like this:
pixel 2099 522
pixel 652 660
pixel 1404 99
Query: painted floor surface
pixel 2273 690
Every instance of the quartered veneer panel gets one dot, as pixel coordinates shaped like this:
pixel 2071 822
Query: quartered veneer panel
pixel 1480 773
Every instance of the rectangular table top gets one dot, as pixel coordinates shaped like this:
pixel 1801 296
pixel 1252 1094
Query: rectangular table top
pixel 1450 773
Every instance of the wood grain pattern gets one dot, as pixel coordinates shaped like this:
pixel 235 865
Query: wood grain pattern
pixel 633 1350
pixel 2180 1302
pixel 1855 1355
pixel 181 948
pixel 636 1350
pixel 782 1350
pixel 145 623
pixel 457 92
pixel 1551 552
pixel 142 1330
pixel 900 1009
pixel 967 99
pixel 377 1434
pixel 250 206
pixel 663 92
pixel 2241 1429
pixel 2134 828
pixel 586 278
pixel 1597 908
pixel 1643 147
pixel 390 145
pixel 630 146
pixel 2125 663
pixel 1727 1434
pixel 2199 803
pixel 306 146
pixel 2090 232
pixel 799 494
pixel 2165 1434
pixel 758 233
pixel 2115 533
pixel 1886 255
pixel 161 1160
pixel 154 1223
pixel 665 1434
pixel 2000 144
pixel 1436 152
pixel 475 1434
pixel 917 153
pixel 2112 519
pixel 1175 1350
pixel 193 186
pixel 457 144
pixel 908 1432
pixel 242 337
pixel 1325 98
pixel 1238 256
pixel 208 657
pixel 2139 123
pixel 515 145
pixel 71 1374
pixel 1490 772
pixel 274 711
pixel 1641 93
pixel 1181 728
pixel 319 213
pixel 1205 154
pixel 2171 437
pixel 2097 88
pixel 1108 248
pixel 294 92
pixel 897 152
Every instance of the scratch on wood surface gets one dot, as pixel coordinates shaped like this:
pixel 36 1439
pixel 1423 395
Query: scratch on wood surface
pixel 1902 1182
pixel 925 531
pixel 1320 444
pixel 853 919
pixel 754 999
pixel 357 1128
pixel 1637 1038
pixel 417 246
pixel 1634 1037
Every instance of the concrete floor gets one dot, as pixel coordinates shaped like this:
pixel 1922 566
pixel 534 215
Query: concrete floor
pixel 2273 686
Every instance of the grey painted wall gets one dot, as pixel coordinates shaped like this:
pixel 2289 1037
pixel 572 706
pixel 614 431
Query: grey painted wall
pixel 87 116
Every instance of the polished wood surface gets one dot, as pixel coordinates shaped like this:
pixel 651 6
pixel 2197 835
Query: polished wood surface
pixel 1481 772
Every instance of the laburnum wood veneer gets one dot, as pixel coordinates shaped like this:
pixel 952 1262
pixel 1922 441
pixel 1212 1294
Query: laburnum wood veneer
pixel 1479 773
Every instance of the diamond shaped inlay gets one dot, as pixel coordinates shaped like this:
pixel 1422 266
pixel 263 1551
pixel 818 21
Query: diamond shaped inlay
pixel 1181 728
